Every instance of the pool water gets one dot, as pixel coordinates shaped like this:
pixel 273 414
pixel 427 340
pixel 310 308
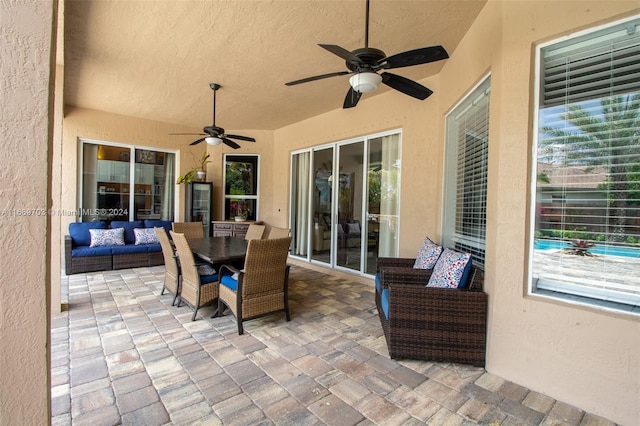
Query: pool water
pixel 597 249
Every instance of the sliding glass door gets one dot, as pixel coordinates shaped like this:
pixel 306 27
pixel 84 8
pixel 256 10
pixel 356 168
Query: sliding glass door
pixel 348 183
pixel 322 204
pixel 383 200
pixel 345 202
pixel 126 183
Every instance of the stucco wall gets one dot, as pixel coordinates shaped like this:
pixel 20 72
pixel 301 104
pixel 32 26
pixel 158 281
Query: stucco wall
pixel 26 75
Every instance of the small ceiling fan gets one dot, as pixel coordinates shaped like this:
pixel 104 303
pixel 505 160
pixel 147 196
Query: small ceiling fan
pixel 364 64
pixel 214 135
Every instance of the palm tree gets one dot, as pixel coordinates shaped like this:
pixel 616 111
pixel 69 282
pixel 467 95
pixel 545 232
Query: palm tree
pixel 610 139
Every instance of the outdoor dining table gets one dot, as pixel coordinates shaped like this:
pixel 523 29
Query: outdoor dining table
pixel 218 250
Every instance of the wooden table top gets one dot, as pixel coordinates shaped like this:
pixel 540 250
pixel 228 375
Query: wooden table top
pixel 219 249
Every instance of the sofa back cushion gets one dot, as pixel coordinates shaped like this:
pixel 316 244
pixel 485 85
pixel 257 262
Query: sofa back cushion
pixel 79 232
pixel 129 236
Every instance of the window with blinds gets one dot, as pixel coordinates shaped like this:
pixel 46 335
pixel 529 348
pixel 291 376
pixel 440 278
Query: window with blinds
pixel 586 215
pixel 466 156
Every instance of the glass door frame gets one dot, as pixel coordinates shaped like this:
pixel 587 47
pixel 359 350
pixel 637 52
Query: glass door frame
pixel 362 193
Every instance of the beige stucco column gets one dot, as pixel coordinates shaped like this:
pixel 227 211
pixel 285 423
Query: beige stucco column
pixel 27 33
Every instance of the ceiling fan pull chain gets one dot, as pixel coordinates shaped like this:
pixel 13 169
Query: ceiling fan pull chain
pixel 214 106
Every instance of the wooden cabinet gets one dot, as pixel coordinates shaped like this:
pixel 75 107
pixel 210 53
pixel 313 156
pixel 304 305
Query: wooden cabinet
pixel 229 228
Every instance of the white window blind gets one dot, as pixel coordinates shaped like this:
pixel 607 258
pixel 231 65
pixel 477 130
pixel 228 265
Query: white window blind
pixel 466 174
pixel 587 169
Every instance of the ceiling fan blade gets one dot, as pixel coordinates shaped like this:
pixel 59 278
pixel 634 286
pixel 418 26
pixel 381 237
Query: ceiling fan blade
pixel 406 86
pixel 352 98
pixel 414 57
pixel 230 143
pixel 342 52
pixel 197 134
pixel 196 142
pixel 242 138
pixel 317 77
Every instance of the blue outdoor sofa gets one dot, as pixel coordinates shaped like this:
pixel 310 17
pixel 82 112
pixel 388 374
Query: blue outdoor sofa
pixel 80 256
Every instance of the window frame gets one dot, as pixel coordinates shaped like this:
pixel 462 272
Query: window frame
pixel 252 198
pixel 582 294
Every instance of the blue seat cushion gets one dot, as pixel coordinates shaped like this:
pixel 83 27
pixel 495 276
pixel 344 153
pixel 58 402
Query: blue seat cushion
pixel 86 251
pixel 384 301
pixel 206 279
pixel 129 236
pixel 128 249
pixel 229 281
pixel 79 232
pixel 378 285
pixel 154 223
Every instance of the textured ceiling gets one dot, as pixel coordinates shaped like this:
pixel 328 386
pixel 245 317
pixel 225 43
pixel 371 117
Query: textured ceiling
pixel 155 59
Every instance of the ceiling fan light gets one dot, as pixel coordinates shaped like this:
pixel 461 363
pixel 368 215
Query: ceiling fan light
pixel 364 82
pixel 213 140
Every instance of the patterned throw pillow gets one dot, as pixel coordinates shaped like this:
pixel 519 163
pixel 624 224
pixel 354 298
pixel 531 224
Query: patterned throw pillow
pixel 145 236
pixel 107 237
pixel 449 269
pixel 428 255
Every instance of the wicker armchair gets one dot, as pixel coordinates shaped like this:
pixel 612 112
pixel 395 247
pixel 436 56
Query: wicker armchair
pixel 262 286
pixel 172 270
pixel 434 324
pixel 196 290
pixel 189 229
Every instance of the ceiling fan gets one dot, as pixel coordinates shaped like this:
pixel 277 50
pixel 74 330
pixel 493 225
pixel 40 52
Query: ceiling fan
pixel 364 64
pixel 214 135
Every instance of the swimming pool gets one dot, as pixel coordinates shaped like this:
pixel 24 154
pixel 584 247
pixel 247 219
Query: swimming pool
pixel 598 249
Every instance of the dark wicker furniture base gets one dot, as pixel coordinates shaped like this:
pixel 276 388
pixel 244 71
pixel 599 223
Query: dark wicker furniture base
pixel 77 265
pixel 435 324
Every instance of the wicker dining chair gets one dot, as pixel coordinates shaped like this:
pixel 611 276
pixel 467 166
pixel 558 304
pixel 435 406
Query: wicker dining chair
pixel 254 232
pixel 189 229
pixel 172 269
pixel 261 287
pixel 275 233
pixel 196 290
